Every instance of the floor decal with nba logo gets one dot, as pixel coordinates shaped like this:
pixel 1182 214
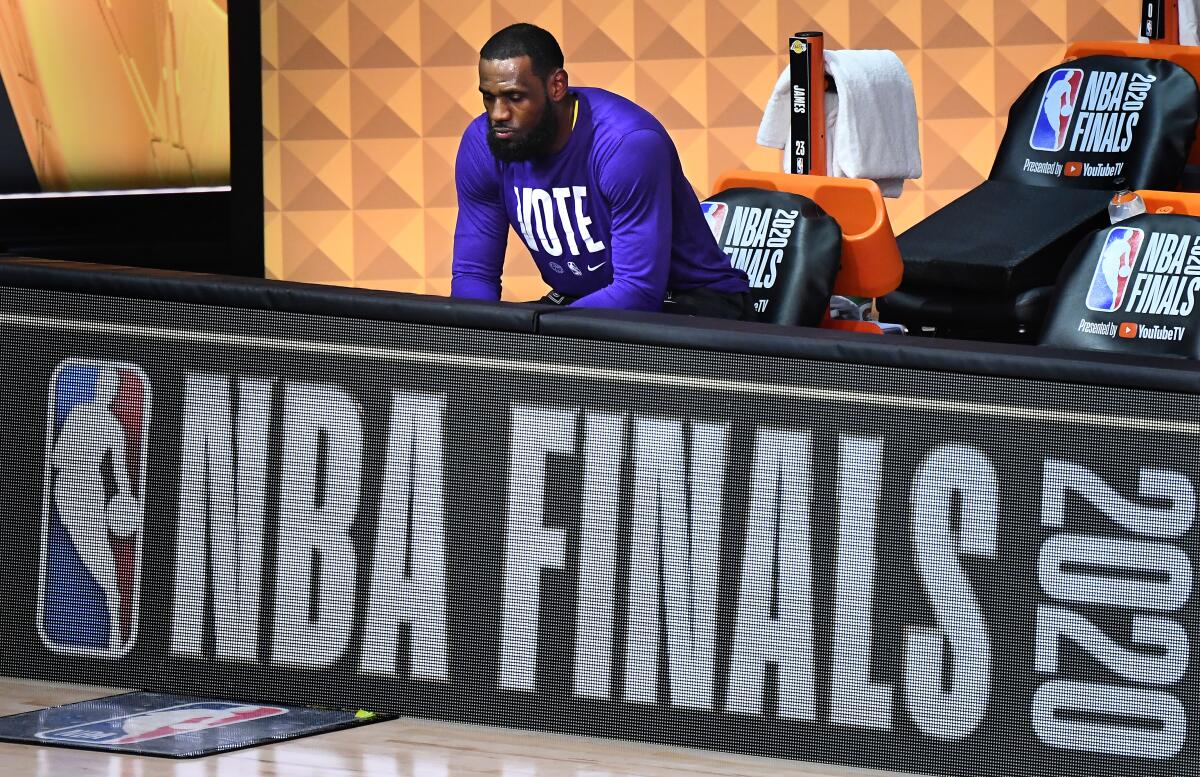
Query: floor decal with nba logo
pixel 170 726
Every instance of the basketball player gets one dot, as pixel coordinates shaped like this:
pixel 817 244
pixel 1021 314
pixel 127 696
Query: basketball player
pixel 593 185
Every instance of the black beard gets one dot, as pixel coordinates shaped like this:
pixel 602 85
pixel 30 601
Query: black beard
pixel 535 143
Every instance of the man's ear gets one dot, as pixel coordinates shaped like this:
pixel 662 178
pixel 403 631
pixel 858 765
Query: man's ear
pixel 558 85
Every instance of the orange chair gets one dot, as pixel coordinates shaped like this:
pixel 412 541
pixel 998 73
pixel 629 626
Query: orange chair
pixel 1187 57
pixel 1172 203
pixel 871 265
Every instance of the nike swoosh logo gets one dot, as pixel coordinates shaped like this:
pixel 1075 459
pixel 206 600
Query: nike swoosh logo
pixel 597 267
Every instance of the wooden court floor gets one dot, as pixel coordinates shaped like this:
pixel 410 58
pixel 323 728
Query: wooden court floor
pixel 399 748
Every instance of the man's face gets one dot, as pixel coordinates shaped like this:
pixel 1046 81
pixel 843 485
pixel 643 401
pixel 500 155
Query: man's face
pixel 522 124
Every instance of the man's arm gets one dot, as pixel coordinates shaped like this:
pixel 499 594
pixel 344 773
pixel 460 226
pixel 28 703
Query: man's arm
pixel 637 184
pixel 481 233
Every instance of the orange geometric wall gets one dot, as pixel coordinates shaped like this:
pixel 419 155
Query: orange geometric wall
pixel 364 102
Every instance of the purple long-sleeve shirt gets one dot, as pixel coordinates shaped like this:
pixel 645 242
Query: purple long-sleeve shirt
pixel 610 218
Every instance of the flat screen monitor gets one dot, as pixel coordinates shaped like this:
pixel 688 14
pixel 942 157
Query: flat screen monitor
pixel 113 96
pixel 123 137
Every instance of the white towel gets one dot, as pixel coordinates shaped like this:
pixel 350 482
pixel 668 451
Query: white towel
pixel 870 122
pixel 1188 12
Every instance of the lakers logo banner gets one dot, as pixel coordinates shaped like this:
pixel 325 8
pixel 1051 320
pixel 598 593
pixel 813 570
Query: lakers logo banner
pixel 927 571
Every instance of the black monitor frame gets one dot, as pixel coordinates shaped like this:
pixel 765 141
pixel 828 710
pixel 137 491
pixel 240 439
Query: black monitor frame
pixel 201 231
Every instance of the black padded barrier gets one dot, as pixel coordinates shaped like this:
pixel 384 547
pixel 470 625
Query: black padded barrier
pixel 1132 288
pixel 788 246
pixel 261 294
pixel 794 554
pixel 863 353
